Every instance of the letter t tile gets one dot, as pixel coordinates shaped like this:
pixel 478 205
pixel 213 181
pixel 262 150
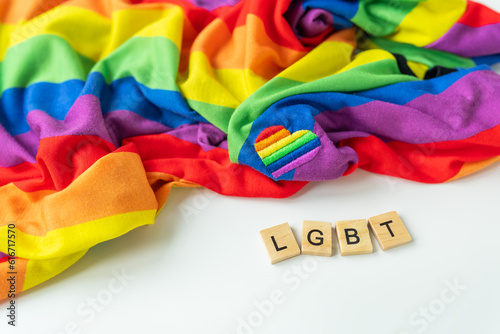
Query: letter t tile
pixel 389 230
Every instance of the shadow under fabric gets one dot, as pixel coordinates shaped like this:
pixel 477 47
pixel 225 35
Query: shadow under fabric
pixel 107 105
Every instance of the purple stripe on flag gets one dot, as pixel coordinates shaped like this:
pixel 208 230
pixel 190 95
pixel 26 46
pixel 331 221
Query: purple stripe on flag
pixel 466 41
pixel 296 163
pixel 213 4
pixel 463 110
pixel 85 118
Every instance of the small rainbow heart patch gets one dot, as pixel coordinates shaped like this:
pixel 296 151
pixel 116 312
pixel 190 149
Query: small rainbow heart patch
pixel 282 151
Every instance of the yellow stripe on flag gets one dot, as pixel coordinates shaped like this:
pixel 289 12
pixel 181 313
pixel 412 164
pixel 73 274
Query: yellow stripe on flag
pixel 271 139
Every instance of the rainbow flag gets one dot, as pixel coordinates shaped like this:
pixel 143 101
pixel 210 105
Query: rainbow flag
pixel 108 104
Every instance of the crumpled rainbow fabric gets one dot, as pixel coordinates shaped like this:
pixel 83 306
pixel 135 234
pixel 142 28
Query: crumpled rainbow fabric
pixel 108 104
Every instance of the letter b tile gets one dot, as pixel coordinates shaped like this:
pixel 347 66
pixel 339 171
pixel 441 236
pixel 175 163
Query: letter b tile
pixel 354 237
pixel 280 243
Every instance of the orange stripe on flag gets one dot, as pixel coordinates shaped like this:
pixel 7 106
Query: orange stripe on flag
pixel 272 139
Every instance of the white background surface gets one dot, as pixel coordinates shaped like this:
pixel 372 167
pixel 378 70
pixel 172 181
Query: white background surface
pixel 205 272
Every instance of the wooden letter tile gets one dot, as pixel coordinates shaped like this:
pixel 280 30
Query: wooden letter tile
pixel 316 238
pixel 389 230
pixel 280 243
pixel 354 237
